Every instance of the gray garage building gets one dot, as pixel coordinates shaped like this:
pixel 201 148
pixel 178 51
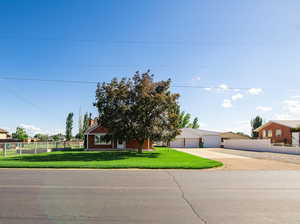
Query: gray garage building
pixel 195 138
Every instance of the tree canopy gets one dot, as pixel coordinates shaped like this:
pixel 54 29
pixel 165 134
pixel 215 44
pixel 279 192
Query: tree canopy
pixel 138 108
pixel 20 134
pixel 41 137
pixel 185 121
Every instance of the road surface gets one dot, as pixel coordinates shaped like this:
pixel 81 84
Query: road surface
pixel 148 196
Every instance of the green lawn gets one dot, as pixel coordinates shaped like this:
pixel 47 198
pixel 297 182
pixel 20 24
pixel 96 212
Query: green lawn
pixel 161 158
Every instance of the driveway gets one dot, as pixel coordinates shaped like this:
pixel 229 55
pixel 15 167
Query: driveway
pixel 239 161
pixel 149 196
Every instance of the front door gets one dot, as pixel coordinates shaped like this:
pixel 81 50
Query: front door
pixel 121 144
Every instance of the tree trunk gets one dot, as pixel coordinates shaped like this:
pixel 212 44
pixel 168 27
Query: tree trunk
pixel 140 148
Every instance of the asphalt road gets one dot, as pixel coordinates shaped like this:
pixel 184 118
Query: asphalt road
pixel 148 196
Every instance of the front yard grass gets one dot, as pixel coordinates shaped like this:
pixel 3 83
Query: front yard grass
pixel 160 158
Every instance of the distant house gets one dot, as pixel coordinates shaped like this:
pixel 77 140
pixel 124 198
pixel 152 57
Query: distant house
pixel 232 135
pixel 4 134
pixel 94 140
pixel 279 131
pixel 196 138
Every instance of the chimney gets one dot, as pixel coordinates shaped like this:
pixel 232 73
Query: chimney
pixel 91 122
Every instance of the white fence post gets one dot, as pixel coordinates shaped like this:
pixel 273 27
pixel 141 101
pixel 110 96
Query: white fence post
pixel 20 150
pixel 35 147
pixel 4 150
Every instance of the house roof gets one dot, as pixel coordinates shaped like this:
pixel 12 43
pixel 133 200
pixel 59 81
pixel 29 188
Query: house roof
pixel 231 135
pixel 91 128
pixel 287 123
pixel 195 133
pixel 3 131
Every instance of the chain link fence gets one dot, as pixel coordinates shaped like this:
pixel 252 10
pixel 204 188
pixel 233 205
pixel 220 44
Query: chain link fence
pixel 19 148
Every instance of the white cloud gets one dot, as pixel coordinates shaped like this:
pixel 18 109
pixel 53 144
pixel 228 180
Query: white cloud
pixel 282 117
pixel 31 129
pixel 292 106
pixel 295 97
pixel 207 89
pixel 240 126
pixel 291 109
pixel 223 87
pixel 255 91
pixel 227 103
pixel 237 96
pixel 197 78
pixel 264 109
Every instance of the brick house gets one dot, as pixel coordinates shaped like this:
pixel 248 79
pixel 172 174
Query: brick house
pixel 94 140
pixel 279 131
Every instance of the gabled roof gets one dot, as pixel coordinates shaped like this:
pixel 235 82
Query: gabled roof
pixel 3 131
pixel 287 123
pixel 93 127
pixel 195 133
pixel 232 135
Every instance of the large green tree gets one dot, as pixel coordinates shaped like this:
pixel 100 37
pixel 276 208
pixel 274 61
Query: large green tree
pixel 20 134
pixel 138 108
pixel 256 123
pixel 69 126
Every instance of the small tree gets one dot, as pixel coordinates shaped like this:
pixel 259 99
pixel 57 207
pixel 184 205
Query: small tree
pixel 184 120
pixel 138 108
pixel 41 137
pixel 69 126
pixel 20 134
pixel 195 123
pixel 86 119
pixel 80 126
pixel 256 123
pixel 58 137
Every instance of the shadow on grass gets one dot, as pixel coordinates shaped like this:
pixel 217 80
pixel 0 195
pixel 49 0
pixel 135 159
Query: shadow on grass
pixel 84 156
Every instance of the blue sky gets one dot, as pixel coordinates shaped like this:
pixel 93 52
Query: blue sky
pixel 223 43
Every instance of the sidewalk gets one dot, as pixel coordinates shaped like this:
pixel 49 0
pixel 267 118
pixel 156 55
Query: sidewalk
pixel 237 162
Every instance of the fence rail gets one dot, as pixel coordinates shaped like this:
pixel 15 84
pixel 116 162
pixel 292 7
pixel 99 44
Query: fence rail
pixel 19 148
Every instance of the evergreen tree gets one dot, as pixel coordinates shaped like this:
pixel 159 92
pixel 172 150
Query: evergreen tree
pixel 69 126
pixel 256 123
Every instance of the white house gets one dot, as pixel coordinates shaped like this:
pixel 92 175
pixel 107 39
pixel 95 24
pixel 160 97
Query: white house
pixel 195 138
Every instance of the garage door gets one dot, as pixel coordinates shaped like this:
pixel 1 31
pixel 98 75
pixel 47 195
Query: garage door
pixel 191 143
pixel 177 143
pixel 211 141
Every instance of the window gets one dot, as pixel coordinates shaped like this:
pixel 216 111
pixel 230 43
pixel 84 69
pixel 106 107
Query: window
pixel 278 133
pixel 99 140
pixel 264 133
pixel 270 133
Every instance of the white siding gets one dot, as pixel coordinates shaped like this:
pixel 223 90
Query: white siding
pixel 3 136
pixel 296 136
pixel 211 141
pixel 192 143
pixel 177 143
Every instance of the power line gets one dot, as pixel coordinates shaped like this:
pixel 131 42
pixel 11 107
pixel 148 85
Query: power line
pixel 94 82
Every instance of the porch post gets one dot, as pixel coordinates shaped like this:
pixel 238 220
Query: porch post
pixel 87 142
